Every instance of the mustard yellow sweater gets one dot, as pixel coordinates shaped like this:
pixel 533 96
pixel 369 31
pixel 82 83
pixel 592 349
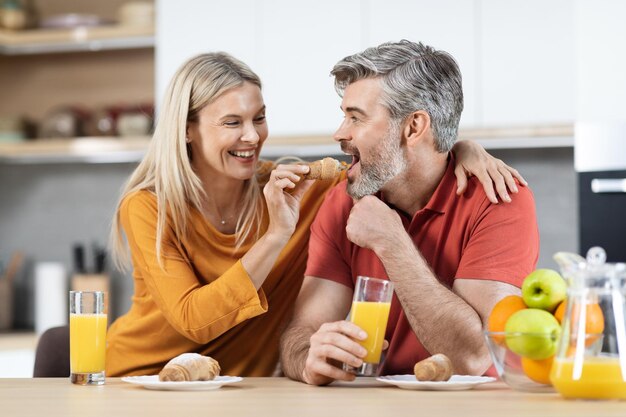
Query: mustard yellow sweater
pixel 204 301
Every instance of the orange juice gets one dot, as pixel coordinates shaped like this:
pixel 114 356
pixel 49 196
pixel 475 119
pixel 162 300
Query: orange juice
pixel 87 342
pixel 371 317
pixel 600 378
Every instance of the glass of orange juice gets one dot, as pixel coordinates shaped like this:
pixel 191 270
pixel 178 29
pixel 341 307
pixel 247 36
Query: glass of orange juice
pixel 88 326
pixel 370 310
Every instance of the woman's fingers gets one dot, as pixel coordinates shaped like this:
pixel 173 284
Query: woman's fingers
pixel 461 179
pixel 499 183
pixel 288 176
pixel 517 175
pixel 487 183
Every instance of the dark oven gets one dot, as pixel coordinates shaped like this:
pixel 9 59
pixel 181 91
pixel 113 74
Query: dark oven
pixel 600 160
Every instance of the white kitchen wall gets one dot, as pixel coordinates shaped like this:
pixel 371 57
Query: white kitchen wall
pixel 300 42
pixel 449 25
pixel 188 27
pixel 601 60
pixel 517 58
pixel 527 62
pixel 291 45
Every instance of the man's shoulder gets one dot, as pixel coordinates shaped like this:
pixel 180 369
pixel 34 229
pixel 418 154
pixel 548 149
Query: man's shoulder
pixel 475 194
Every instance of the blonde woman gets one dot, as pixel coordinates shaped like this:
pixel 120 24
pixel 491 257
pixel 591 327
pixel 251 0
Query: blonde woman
pixel 218 239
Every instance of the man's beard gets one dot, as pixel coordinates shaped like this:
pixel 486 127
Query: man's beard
pixel 387 161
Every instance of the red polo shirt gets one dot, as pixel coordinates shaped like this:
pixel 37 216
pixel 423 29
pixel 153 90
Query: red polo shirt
pixel 461 237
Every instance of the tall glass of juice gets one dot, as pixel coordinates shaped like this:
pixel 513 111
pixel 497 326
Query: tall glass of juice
pixel 370 310
pixel 88 326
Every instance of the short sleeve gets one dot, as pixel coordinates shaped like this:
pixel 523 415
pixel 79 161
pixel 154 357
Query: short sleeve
pixel 329 248
pixel 504 241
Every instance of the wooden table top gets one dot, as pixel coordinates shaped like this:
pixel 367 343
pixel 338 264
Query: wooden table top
pixel 282 397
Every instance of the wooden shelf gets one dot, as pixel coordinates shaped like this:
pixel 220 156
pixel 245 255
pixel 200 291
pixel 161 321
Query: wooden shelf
pixel 40 41
pixel 80 150
pixel 522 137
pixel 132 149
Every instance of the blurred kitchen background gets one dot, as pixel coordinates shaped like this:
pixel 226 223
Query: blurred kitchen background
pixel 80 80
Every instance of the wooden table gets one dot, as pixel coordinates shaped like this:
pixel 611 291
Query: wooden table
pixel 282 397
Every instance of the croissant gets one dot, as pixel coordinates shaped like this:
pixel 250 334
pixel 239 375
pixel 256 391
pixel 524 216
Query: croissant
pixel 190 367
pixel 325 169
pixel 435 368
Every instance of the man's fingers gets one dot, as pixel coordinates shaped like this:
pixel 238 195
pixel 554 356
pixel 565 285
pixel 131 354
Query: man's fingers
pixel 323 339
pixel 327 370
pixel 348 328
pixel 334 352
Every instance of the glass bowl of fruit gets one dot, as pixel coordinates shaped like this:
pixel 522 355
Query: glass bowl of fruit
pixel 510 354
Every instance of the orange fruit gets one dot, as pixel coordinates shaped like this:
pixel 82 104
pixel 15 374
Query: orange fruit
pixel 560 311
pixel 503 310
pixel 501 313
pixel 538 370
pixel 594 320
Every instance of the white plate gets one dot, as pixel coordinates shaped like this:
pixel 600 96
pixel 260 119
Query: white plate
pixel 152 382
pixel 455 383
pixel 359 381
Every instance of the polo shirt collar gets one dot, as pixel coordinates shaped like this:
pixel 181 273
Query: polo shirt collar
pixel 440 199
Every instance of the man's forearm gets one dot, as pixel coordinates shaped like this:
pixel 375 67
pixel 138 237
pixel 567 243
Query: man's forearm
pixel 294 347
pixel 442 321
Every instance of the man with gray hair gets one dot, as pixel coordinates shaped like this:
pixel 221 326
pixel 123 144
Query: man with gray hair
pixel 397 217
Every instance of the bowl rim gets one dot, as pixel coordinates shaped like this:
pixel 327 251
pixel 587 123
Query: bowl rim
pixel 490 333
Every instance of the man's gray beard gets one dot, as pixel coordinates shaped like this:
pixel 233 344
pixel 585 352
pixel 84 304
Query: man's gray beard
pixel 375 175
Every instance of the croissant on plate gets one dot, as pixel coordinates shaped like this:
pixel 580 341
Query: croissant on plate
pixel 435 368
pixel 325 169
pixel 190 367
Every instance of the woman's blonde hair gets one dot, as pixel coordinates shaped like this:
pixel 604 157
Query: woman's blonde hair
pixel 166 168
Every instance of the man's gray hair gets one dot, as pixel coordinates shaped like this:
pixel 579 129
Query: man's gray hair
pixel 414 77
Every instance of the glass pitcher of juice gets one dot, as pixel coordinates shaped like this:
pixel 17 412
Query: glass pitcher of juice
pixel 591 358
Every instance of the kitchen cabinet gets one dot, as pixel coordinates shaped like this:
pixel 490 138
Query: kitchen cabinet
pixel 83 68
pixel 448 25
pixel 55 70
pixel 526 53
pixel 17 354
pixel 291 45
pixel 186 28
pixel 296 61
pixel 601 62
pixel 517 59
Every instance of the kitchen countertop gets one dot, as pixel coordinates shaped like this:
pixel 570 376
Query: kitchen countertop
pixel 283 397
pixel 119 150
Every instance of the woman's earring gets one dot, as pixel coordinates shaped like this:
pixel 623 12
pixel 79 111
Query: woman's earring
pixel 187 140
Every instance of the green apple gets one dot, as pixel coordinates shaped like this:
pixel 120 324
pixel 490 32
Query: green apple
pixel 544 289
pixel 532 333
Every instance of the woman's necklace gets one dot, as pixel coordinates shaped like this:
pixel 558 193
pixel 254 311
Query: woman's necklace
pixel 224 221
pixel 217 215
